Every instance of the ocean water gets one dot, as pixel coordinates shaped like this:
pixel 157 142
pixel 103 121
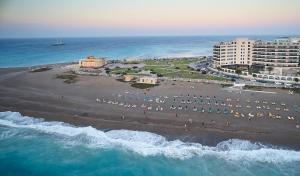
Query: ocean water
pixel 29 52
pixel 32 146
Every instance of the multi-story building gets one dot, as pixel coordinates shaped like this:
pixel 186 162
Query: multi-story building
pixel 283 52
pixel 237 52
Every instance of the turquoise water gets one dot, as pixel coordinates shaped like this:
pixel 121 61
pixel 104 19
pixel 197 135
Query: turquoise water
pixel 31 146
pixel 29 52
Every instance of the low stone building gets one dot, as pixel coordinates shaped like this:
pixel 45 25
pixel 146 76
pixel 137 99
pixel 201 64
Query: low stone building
pixel 92 62
pixel 148 80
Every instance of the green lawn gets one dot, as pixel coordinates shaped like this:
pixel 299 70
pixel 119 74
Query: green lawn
pixel 185 74
pixel 124 71
pixel 168 67
pixel 173 68
pixel 170 61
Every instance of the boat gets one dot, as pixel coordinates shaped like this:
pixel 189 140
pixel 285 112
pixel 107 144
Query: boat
pixel 58 43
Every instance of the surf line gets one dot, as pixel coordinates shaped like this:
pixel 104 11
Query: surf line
pixel 260 91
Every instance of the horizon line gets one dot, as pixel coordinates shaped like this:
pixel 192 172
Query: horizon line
pixel 132 36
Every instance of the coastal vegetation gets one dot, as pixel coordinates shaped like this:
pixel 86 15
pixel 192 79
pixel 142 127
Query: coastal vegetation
pixel 296 90
pixel 131 62
pixel 256 88
pixel 143 86
pixel 68 77
pixel 40 69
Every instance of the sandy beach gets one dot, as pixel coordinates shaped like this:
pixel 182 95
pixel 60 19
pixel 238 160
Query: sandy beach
pixel 41 94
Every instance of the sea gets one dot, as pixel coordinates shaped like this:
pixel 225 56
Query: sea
pixel 33 146
pixel 38 51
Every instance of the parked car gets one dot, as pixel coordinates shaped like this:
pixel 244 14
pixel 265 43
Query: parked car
pixel 287 85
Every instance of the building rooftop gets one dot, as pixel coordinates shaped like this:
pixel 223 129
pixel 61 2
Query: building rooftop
pixel 282 41
pixel 92 59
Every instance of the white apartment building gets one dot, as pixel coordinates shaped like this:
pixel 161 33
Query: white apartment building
pixel 237 52
pixel 282 52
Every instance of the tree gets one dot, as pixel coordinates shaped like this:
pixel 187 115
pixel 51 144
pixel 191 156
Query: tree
pixel 254 75
pixel 296 80
pixel 238 71
pixel 270 69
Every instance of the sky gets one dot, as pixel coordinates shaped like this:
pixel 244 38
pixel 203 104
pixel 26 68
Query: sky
pixel 96 18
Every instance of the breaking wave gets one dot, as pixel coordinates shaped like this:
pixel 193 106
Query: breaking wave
pixel 150 144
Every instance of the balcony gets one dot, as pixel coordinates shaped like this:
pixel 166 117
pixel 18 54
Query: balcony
pixel 275 61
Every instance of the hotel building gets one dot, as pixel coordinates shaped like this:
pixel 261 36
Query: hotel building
pixel 237 52
pixel 283 52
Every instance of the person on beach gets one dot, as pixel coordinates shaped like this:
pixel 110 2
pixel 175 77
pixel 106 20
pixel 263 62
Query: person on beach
pixel 227 123
pixel 190 121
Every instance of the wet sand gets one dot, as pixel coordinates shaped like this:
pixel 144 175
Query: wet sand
pixel 41 94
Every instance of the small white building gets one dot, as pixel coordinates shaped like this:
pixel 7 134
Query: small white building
pixel 148 80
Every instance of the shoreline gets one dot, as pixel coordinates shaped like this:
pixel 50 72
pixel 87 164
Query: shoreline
pixel 39 65
pixel 39 95
pixel 208 136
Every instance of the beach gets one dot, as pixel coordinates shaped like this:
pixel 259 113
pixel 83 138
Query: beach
pixel 41 94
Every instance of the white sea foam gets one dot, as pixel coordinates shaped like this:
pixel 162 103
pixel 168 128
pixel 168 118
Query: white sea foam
pixel 150 144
